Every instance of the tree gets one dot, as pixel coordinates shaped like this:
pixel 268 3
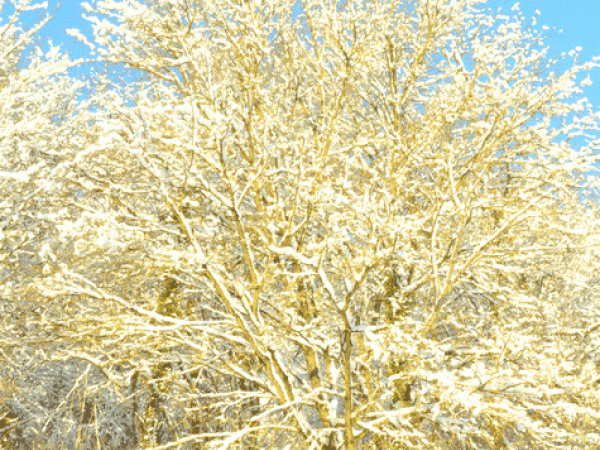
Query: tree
pixel 333 226
pixel 37 102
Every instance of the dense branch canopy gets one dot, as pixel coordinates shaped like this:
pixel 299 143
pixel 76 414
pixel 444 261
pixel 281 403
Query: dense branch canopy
pixel 311 225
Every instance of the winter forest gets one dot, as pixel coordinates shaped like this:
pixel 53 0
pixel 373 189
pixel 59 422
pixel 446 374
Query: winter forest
pixel 297 224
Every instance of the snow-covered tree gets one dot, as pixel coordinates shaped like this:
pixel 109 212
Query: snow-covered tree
pixel 331 225
pixel 36 98
pixel 38 101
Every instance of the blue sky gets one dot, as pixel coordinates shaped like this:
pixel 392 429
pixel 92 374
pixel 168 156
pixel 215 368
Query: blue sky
pixel 578 20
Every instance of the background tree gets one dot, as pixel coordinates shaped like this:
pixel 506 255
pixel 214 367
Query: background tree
pixel 357 226
pixel 37 102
